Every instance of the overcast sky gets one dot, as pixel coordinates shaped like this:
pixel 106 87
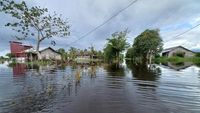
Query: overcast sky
pixel 170 16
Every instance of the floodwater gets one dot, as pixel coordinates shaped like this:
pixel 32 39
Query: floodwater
pixel 101 88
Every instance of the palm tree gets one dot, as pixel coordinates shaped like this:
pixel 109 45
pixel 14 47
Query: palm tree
pixel 92 51
pixel 72 53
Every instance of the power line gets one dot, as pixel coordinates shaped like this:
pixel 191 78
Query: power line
pixel 105 22
pixel 178 36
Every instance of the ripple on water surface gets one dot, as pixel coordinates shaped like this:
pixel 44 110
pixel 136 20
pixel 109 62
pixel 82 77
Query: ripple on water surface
pixel 99 89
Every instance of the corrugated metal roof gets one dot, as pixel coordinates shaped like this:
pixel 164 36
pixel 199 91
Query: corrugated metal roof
pixel 172 48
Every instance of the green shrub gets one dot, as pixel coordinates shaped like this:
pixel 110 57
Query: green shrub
pixel 179 54
pixel 197 54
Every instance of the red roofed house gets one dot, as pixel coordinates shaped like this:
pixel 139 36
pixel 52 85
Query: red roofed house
pixel 19 50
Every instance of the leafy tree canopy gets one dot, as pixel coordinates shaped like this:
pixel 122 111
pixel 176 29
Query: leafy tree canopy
pixel 116 44
pixel 146 45
pixel 34 21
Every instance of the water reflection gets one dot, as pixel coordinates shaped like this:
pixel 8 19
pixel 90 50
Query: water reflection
pixel 144 72
pixel 1 62
pixel 34 92
pixel 99 88
pixel 146 79
pixel 19 69
pixel 31 94
pixel 178 66
pixel 115 70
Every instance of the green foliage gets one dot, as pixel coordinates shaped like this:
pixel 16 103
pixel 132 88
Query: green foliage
pixel 109 53
pixel 2 59
pixel 92 50
pixel 64 55
pixel 10 55
pixel 179 54
pixel 72 53
pixel 147 44
pixel 197 55
pixel 100 55
pixel 34 21
pixel 130 53
pixel 94 54
pixel 116 45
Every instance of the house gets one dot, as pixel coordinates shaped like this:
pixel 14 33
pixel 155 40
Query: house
pixel 23 52
pixel 18 50
pixel 85 55
pixel 177 51
pixel 49 53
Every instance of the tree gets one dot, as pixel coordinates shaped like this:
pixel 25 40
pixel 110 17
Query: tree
pixel 147 45
pixel 130 53
pixel 82 52
pixel 2 58
pixel 63 54
pixel 100 55
pixel 109 53
pixel 72 53
pixel 92 51
pixel 116 45
pixel 197 54
pixel 34 22
pixel 10 55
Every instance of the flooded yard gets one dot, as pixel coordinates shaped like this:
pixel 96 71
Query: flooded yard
pixel 100 88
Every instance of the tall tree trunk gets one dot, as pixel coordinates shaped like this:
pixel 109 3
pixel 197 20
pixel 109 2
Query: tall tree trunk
pixel 150 56
pixel 38 46
pixel 38 42
pixel 117 56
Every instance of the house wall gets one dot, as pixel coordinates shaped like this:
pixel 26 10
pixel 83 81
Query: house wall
pixel 187 53
pixel 17 49
pixel 49 54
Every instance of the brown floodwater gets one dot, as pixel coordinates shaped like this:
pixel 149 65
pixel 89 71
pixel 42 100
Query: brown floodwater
pixel 100 88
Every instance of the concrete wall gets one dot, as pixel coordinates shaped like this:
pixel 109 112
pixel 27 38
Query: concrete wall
pixel 49 54
pixel 179 49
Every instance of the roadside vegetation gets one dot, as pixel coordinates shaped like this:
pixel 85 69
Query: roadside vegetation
pixel 145 47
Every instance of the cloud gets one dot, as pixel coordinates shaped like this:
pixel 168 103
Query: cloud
pixel 170 16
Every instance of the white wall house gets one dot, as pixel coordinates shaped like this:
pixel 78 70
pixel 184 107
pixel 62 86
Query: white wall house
pixel 170 52
pixel 49 54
